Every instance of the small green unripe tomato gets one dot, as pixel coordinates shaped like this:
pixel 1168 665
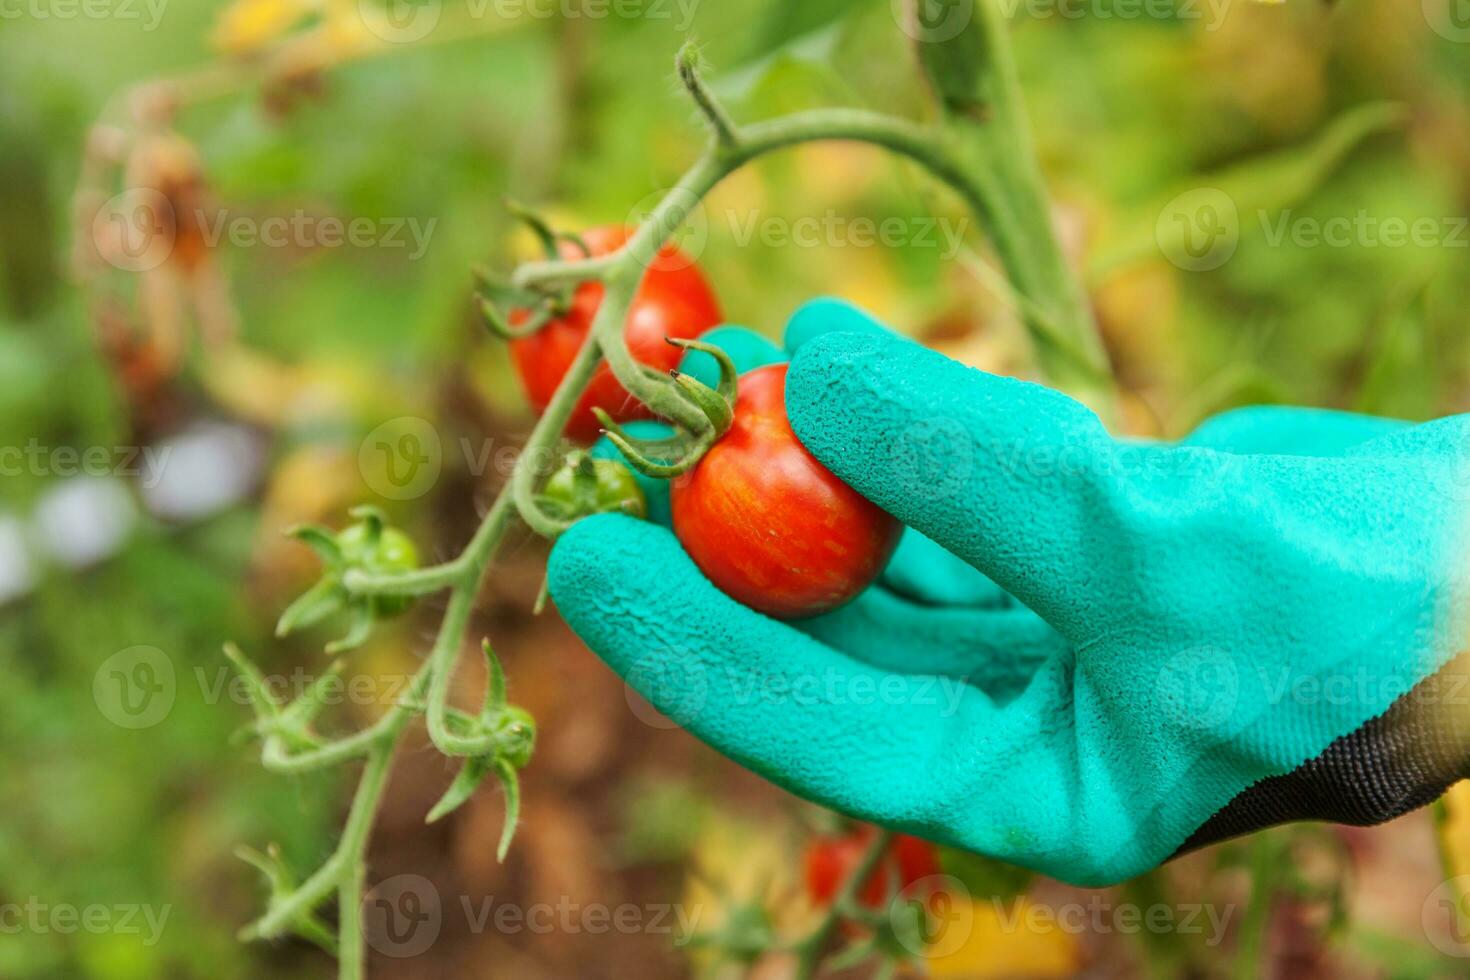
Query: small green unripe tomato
pixel 517 731
pixel 389 551
pixel 609 488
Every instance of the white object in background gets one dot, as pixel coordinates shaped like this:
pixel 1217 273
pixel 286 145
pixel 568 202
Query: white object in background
pixel 200 471
pixel 84 520
pixel 16 576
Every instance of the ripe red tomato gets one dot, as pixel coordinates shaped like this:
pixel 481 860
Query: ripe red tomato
pixel 830 860
pixel 769 524
pixel 673 301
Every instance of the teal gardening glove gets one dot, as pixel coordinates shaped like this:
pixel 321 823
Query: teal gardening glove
pixel 1087 655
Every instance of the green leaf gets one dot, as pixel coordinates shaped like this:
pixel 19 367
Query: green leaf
pixel 309 703
pixel 511 783
pixel 266 707
pixel 371 515
pixel 801 33
pixel 319 539
pixel 471 775
pixel 358 632
pixel 325 598
pixel 785 23
pixel 308 925
pixel 495 680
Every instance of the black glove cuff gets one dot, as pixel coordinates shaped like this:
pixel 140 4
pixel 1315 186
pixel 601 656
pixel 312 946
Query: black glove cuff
pixel 1397 762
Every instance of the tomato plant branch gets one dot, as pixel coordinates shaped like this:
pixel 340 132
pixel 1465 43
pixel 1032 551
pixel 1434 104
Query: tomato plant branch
pixel 997 180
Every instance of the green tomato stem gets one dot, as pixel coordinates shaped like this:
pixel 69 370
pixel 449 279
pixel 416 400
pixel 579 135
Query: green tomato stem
pixel 415 582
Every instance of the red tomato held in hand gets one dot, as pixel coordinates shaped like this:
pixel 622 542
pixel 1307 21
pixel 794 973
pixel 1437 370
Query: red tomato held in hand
pixel 771 526
pixel 831 860
pixel 672 301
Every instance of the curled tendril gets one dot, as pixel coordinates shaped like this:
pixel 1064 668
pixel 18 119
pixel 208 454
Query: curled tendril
pixel 667 447
pixel 502 327
pixel 728 373
pixel 679 465
pixel 576 241
pixel 538 225
pixel 718 404
pixel 676 454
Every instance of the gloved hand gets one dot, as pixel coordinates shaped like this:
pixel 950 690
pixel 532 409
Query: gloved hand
pixel 1205 638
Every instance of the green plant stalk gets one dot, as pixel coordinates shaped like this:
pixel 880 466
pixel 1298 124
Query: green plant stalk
pixel 417 582
pixel 1266 865
pixel 1166 954
pixel 345 870
pixel 983 112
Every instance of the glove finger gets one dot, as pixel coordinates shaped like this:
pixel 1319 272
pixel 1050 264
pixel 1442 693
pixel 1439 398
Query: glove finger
pixel 927 574
pixel 1287 431
pixel 826 726
pixel 819 317
pixel 920 568
pixel 997 650
pixel 1013 477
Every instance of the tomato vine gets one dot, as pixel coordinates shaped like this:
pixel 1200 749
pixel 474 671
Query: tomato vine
pixel 980 147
